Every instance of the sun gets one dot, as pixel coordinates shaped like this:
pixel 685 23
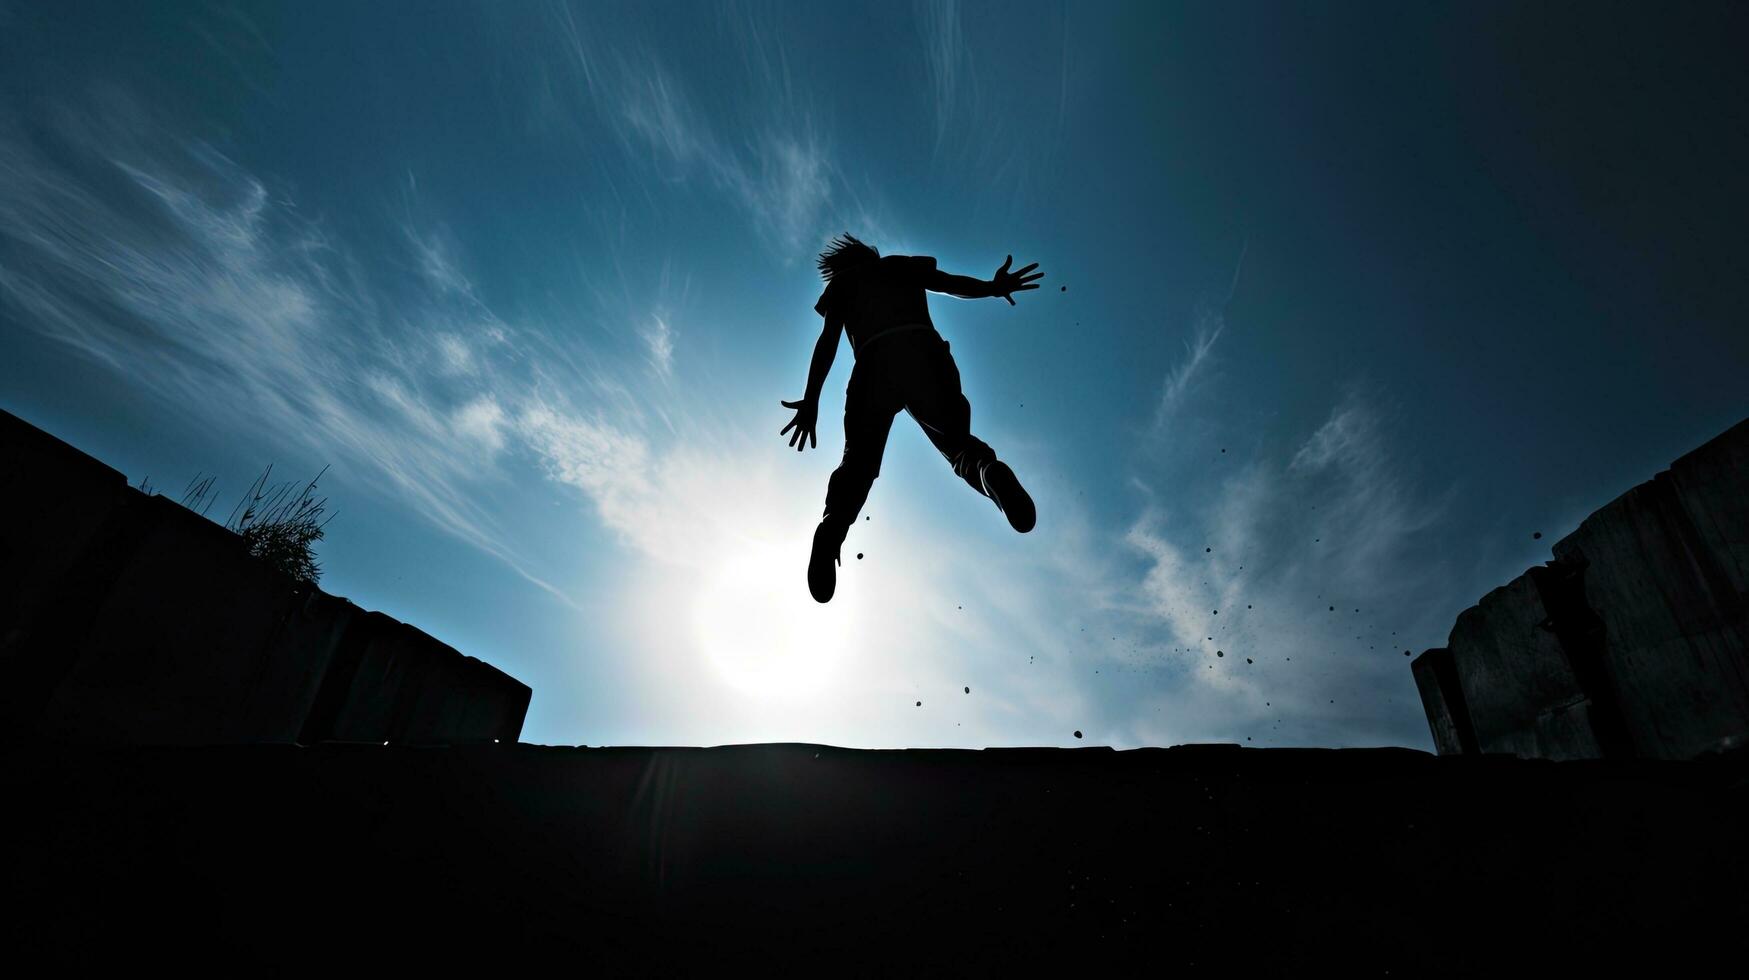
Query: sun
pixel 765 636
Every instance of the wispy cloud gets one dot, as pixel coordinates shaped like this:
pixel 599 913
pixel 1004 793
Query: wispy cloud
pixel 659 339
pixel 944 59
pixel 1209 321
pixel 1287 588
pixel 1009 134
pixel 178 269
pixel 1197 350
pixel 768 158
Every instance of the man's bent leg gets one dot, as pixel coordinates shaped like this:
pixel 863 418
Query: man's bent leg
pixel 933 397
pixel 940 407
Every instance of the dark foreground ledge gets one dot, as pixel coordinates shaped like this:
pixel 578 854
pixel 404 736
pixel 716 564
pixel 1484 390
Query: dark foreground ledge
pixel 1204 859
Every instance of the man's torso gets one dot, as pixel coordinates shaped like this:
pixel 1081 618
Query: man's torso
pixel 883 295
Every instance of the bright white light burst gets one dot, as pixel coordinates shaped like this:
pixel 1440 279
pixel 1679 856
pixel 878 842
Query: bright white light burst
pixel 758 627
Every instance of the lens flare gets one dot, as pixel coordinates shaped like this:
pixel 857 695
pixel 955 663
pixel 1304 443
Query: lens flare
pixel 757 626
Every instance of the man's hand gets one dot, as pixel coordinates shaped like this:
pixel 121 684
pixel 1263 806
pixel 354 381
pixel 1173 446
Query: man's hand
pixel 807 414
pixel 1005 283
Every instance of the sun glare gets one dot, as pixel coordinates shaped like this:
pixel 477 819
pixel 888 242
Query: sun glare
pixel 758 627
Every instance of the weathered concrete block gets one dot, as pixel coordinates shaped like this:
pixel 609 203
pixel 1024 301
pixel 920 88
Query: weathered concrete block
pixel 1516 679
pixel 60 499
pixel 293 664
pixel 55 559
pixel 1633 641
pixel 1675 633
pixel 172 651
pixel 1442 697
pixel 392 683
pixel 128 618
pixel 1712 484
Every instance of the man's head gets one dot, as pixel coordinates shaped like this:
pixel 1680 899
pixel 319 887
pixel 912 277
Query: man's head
pixel 845 253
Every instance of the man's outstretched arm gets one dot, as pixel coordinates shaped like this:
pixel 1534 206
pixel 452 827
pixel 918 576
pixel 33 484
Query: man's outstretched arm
pixel 1003 284
pixel 808 408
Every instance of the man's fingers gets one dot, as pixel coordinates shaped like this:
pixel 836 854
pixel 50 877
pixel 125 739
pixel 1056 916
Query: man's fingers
pixel 1005 264
pixel 1022 289
pixel 1010 299
pixel 791 425
pixel 790 404
pixel 814 439
pixel 1025 269
pixel 1033 277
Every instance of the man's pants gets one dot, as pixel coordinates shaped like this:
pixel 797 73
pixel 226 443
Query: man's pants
pixel 912 370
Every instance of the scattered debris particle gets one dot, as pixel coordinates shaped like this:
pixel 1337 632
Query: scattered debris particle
pixel 1062 289
pixel 1536 536
pixel 1220 653
pixel 1217 612
pixel 919 704
pixel 859 556
pixel 1077 733
pixel 1332 608
pixel 968 690
pixel 1208 550
pixel 1405 653
pixel 1247 659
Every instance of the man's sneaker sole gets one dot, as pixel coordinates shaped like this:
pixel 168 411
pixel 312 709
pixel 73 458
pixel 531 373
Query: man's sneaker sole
pixel 1004 488
pixel 822 566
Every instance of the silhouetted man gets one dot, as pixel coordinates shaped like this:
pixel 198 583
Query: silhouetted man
pixel 882 304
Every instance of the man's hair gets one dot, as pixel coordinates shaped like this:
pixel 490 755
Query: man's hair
pixel 846 251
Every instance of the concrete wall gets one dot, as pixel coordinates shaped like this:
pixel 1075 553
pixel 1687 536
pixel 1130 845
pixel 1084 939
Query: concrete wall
pixel 128 618
pixel 1632 641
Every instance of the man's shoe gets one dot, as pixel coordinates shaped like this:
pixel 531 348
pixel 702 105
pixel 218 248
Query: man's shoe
pixel 823 562
pixel 1004 488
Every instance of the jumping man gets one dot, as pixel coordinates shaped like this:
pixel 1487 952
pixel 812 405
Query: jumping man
pixel 882 304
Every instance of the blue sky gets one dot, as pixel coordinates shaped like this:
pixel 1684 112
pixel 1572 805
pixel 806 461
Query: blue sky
pixel 1343 303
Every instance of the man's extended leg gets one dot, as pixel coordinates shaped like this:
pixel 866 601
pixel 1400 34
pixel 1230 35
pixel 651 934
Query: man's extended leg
pixel 869 407
pixel 933 397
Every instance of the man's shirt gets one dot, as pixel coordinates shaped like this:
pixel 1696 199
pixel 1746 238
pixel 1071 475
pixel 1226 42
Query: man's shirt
pixel 879 296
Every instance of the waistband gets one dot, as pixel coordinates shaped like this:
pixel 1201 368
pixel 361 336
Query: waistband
pixel 898 328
